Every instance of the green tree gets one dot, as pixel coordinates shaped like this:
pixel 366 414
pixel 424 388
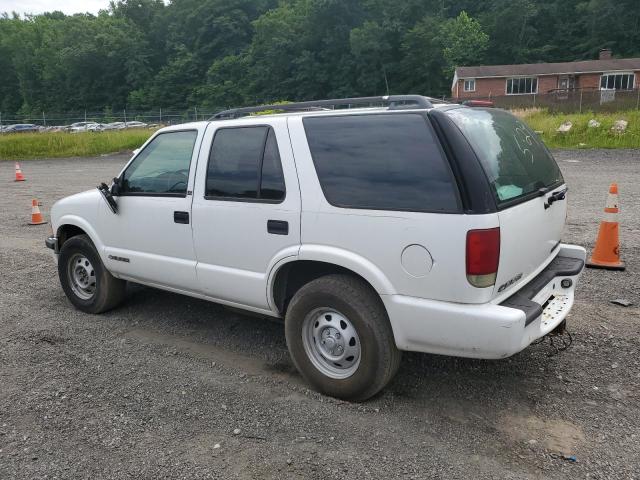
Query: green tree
pixel 217 53
pixel 464 42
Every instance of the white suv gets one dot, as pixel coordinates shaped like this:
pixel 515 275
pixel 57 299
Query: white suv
pixel 414 225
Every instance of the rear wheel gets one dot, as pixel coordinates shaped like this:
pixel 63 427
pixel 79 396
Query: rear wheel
pixel 85 280
pixel 340 338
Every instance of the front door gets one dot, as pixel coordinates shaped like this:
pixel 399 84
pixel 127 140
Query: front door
pixel 246 210
pixel 150 238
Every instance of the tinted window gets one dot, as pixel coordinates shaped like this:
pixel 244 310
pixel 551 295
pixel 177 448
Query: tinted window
pixel 272 186
pixel 383 162
pixel 238 156
pixel 163 166
pixel 513 157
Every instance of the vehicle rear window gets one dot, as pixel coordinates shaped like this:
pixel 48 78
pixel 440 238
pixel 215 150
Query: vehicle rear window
pixel 381 162
pixel 513 157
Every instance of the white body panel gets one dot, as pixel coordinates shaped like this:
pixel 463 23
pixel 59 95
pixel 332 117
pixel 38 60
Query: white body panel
pixel 376 239
pixel 80 210
pixel 144 231
pixel 528 227
pixel 233 247
pixel 415 261
pixel 478 331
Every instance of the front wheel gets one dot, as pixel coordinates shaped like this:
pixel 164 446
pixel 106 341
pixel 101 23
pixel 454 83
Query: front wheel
pixel 340 338
pixel 85 280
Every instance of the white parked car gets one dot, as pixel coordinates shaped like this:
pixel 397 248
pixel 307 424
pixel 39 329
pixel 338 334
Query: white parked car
pixel 415 226
pixel 135 124
pixel 85 127
pixel 114 126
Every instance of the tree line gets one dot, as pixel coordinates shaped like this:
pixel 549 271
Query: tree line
pixel 145 54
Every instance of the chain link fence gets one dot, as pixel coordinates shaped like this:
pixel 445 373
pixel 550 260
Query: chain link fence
pixel 570 101
pixel 564 101
pixel 151 117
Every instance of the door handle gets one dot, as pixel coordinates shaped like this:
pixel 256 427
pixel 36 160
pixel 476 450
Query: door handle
pixel 181 217
pixel 278 227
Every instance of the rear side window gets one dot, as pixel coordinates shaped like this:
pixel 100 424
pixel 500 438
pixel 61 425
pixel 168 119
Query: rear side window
pixel 516 162
pixel 244 164
pixel 381 162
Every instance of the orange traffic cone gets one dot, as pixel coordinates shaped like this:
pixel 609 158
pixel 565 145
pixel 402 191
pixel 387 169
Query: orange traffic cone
pixel 606 253
pixel 36 216
pixel 19 175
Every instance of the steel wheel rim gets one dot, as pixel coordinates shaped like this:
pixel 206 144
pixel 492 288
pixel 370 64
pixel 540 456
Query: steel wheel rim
pixel 82 276
pixel 331 343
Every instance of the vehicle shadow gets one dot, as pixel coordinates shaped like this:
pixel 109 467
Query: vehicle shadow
pixel 257 344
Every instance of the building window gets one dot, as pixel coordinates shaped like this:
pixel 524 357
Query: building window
pixel 470 85
pixel 617 81
pixel 522 85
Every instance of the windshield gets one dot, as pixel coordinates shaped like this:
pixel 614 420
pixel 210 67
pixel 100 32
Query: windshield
pixel 513 157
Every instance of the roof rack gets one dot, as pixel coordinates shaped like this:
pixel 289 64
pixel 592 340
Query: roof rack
pixel 394 102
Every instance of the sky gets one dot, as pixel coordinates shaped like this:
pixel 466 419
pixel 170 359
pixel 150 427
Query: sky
pixel 41 6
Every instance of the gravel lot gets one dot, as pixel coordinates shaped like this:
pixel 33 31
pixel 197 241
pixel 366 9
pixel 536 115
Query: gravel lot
pixel 173 387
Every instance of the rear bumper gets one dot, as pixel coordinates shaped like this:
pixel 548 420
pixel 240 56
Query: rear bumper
pixel 489 330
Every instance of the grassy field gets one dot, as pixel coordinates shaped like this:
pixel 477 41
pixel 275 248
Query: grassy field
pixel 47 145
pixel 580 135
pixel 25 146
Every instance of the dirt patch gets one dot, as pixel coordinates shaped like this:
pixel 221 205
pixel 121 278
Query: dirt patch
pixel 554 434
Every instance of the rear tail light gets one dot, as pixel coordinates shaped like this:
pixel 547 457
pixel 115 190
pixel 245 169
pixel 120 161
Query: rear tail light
pixel 483 256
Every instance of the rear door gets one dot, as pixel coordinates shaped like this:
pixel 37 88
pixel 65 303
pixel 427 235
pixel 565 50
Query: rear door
pixel 527 185
pixel 246 209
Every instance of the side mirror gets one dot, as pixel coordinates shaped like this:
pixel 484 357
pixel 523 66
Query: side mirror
pixel 115 188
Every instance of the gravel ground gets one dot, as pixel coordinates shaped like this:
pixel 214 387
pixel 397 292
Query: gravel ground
pixel 173 387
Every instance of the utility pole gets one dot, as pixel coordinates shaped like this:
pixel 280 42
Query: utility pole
pixel 580 100
pixel 44 119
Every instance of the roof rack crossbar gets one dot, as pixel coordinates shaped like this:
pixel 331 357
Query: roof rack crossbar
pixel 392 101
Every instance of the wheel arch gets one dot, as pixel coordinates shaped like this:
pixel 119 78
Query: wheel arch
pixel 289 276
pixel 71 226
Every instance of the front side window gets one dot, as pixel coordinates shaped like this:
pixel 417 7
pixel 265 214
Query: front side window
pixel 244 164
pixel 162 168
pixel 522 85
pixel 470 85
pixel 381 162
pixel 514 159
pixel 617 81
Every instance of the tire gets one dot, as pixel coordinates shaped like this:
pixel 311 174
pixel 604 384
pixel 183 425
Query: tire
pixel 88 284
pixel 345 304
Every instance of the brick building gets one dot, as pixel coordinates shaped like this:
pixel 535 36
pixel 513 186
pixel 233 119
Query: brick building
pixel 487 81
